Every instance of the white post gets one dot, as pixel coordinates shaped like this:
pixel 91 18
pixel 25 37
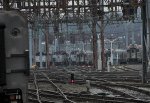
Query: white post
pixel 30 45
pixel 99 55
pixel 111 47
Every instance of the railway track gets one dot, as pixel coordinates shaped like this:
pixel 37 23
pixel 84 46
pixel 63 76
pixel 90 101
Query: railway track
pixel 125 90
pixel 37 96
pixel 84 98
pixel 114 88
pixel 117 76
pixel 126 68
pixel 118 90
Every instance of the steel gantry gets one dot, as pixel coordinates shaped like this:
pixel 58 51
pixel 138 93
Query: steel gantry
pixel 53 13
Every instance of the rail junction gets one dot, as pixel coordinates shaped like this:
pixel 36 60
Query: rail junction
pixel 123 85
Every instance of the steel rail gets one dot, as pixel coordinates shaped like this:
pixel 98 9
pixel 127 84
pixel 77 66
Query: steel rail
pixel 61 92
pixel 37 88
pixel 130 68
pixel 106 85
pixel 86 97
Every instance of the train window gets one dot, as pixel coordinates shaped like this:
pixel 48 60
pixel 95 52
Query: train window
pixel 132 50
pixel 137 50
pixel 53 59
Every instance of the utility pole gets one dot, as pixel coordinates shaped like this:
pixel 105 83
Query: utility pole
pixel 46 33
pixel 56 18
pixel 102 38
pixel 94 10
pixel 111 46
pixel 39 32
pixel 40 46
pixel 144 39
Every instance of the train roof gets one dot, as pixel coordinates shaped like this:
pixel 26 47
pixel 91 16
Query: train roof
pixel 60 53
pixel 134 46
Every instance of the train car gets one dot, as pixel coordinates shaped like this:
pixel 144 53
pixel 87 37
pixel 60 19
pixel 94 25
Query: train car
pixel 73 57
pixel 14 57
pixel 122 58
pixel 89 58
pixel 60 58
pixel 134 54
pixel 81 58
pixel 37 59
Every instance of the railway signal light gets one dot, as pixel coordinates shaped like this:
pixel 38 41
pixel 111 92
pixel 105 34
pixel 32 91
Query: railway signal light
pixel 72 78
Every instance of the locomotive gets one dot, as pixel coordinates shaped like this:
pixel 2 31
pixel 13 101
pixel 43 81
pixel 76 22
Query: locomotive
pixel 14 57
pixel 134 54
pixel 60 58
